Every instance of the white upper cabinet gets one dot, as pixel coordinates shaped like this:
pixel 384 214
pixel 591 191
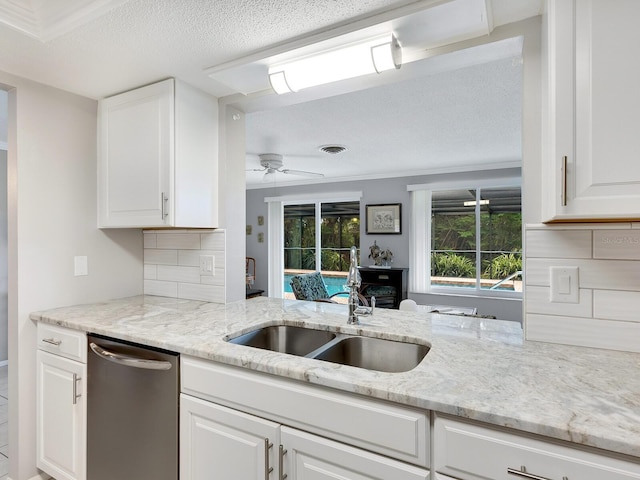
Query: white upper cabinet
pixel 593 100
pixel 158 158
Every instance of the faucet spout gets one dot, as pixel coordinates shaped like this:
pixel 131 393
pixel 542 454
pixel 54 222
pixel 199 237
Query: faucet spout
pixel 353 282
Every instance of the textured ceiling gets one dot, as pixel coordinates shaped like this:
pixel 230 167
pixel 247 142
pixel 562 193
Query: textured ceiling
pixel 460 119
pixel 142 41
pixel 437 121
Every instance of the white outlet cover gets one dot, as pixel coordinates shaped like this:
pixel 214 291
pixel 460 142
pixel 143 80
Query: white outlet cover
pixel 207 265
pixel 565 287
pixel 80 266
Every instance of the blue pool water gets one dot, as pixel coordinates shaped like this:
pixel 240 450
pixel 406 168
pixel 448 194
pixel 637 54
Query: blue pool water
pixel 334 284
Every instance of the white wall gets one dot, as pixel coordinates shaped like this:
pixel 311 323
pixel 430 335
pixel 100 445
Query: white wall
pixel 52 218
pixel 4 305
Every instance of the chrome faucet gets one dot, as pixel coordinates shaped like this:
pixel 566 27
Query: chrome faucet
pixel 353 282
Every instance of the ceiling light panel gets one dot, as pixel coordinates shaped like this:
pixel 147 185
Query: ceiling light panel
pixel 354 60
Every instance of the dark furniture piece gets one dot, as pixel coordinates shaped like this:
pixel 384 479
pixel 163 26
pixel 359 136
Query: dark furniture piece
pixel 388 285
pixel 254 292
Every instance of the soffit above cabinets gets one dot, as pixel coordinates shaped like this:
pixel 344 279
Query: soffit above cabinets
pixel 417 31
pixel 48 19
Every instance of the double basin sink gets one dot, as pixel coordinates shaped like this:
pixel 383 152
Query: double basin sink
pixel 370 353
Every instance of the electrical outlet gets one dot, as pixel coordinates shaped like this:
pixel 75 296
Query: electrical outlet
pixel 207 265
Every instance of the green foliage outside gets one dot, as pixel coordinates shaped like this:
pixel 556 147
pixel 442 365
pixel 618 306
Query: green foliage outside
pixel 503 265
pixel 338 234
pixel 452 265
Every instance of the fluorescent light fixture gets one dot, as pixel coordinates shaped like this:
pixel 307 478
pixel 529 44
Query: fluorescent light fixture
pixel 472 203
pixel 354 60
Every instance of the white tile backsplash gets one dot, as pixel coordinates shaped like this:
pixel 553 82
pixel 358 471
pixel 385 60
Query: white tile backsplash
pixel 172 264
pixel 160 257
pixel 616 244
pixel 559 244
pixel 179 241
pixel 608 261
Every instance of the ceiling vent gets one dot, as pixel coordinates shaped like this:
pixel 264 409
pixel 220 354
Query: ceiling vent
pixel 332 149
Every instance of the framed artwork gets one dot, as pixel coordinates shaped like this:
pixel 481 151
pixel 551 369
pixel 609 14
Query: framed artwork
pixel 384 218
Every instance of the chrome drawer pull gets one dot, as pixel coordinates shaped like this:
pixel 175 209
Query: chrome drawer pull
pixel 76 396
pixel 52 341
pixel 523 473
pixel 282 452
pixel 267 468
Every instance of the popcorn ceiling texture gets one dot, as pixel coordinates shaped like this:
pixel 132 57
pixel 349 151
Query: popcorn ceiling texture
pixel 143 41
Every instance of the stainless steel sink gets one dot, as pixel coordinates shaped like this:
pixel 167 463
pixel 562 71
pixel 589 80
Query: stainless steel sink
pixel 374 354
pixel 286 339
pixel 357 351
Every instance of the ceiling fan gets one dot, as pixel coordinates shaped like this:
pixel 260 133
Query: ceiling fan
pixel 272 163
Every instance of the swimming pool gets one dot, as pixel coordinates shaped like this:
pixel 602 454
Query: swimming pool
pixel 334 284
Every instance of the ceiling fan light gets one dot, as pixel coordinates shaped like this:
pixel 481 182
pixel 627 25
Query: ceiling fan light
pixel 350 61
pixel 268 175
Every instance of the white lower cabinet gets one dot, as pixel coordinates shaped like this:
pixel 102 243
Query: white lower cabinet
pixel 61 417
pixel 310 457
pixel 469 451
pixel 218 442
pixel 236 423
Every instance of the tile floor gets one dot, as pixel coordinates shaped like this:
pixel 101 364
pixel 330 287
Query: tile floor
pixel 4 417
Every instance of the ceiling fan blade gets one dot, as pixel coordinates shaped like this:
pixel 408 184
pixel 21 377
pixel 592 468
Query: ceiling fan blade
pixel 255 170
pixel 302 172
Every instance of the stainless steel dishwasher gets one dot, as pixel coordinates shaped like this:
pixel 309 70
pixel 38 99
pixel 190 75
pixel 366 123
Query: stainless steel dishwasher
pixel 132 404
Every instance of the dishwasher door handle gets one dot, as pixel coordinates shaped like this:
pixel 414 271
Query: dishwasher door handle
pixel 128 360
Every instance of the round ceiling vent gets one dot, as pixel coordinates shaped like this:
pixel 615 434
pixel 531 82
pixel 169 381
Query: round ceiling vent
pixel 332 149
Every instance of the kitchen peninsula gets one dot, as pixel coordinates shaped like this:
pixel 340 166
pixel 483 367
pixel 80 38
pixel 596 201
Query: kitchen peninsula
pixel 476 369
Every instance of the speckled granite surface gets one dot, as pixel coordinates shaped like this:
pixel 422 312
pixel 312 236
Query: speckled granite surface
pixel 478 369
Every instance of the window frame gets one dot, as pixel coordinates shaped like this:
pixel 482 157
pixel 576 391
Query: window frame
pixel 420 240
pixel 275 231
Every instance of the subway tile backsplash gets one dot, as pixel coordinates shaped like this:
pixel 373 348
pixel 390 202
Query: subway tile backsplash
pixel 608 260
pixel 172 264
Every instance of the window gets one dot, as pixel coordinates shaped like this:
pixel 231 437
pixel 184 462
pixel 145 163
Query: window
pixel 339 230
pixel 473 241
pixel 294 245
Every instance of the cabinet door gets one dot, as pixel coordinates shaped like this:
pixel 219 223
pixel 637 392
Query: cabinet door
pixel 136 157
pixel 309 457
pixel 219 443
pixel 470 451
pixel 61 417
pixel 594 103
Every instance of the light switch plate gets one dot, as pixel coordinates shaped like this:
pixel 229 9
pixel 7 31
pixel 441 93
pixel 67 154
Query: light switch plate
pixel 80 266
pixel 564 285
pixel 207 265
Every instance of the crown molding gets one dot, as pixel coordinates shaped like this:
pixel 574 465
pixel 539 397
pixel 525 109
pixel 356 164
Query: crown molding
pixel 47 20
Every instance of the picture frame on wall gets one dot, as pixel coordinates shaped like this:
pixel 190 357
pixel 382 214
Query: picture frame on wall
pixel 383 219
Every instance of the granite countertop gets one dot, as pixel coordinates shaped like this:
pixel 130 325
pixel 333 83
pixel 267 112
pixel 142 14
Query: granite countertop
pixel 476 368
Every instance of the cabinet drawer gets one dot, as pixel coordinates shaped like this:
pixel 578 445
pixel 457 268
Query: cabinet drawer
pixel 470 451
pixel 63 341
pixel 380 427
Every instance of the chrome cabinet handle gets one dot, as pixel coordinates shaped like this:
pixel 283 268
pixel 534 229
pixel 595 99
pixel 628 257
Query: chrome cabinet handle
pixel 76 379
pixel 128 360
pixel 282 452
pixel 563 195
pixel 163 201
pixel 267 468
pixel 52 341
pixel 524 474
